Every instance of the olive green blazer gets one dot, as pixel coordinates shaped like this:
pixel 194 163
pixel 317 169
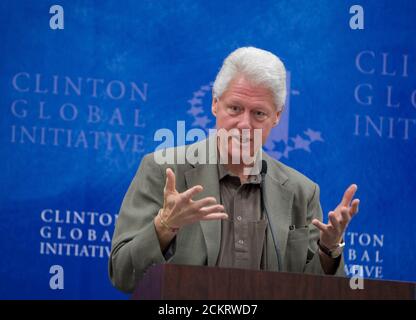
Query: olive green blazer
pixel 292 201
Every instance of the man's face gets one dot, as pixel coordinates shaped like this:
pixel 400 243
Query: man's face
pixel 245 106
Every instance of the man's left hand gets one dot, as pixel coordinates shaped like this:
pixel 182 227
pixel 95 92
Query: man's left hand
pixel 331 234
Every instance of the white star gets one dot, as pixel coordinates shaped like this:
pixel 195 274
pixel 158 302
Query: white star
pixel 301 143
pixel 201 121
pixel 286 152
pixel 194 111
pixel 314 135
pixel 199 93
pixel 195 101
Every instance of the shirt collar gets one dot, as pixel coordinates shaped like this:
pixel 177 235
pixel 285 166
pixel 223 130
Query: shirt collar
pixel 223 172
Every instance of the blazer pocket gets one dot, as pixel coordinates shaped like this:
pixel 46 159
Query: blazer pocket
pixel 298 233
pixel 297 249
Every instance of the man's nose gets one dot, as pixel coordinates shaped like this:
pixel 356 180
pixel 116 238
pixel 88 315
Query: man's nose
pixel 245 121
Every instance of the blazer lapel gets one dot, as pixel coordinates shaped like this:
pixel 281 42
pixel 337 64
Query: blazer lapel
pixel 206 175
pixel 278 202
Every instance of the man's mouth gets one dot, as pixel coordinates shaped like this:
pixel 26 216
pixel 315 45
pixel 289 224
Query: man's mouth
pixel 241 139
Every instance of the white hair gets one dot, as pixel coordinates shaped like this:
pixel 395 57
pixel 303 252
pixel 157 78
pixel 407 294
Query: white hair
pixel 258 66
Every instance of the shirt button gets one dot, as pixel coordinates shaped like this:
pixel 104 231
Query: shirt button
pixel 239 218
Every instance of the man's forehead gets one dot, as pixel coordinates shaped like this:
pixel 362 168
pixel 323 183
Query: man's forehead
pixel 242 83
pixel 241 99
pixel 242 88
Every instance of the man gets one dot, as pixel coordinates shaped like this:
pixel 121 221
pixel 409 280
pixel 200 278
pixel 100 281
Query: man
pixel 201 213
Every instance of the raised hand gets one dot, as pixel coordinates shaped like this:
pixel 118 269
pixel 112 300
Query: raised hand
pixel 331 234
pixel 179 209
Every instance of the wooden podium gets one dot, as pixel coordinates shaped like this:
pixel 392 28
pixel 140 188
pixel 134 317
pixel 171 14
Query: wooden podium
pixel 171 282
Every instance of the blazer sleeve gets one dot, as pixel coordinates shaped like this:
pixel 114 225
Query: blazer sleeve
pixel 135 245
pixel 313 264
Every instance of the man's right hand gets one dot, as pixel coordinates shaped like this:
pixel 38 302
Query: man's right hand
pixel 179 209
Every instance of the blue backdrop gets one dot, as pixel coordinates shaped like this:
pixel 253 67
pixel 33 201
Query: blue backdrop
pixel 80 106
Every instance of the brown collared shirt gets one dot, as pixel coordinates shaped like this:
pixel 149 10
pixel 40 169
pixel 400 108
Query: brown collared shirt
pixel 243 233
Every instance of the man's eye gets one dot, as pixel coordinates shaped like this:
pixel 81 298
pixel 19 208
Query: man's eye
pixel 260 115
pixel 234 109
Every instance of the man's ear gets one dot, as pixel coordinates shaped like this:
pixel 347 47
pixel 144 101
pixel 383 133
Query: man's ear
pixel 214 106
pixel 277 118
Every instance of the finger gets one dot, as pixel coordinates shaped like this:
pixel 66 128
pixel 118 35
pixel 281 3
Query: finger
pixel 215 216
pixel 170 185
pixel 345 216
pixel 354 207
pixel 205 202
pixel 211 209
pixel 188 194
pixel 334 221
pixel 348 195
pixel 321 226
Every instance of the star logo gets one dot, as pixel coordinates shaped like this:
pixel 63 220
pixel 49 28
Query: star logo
pixel 201 119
